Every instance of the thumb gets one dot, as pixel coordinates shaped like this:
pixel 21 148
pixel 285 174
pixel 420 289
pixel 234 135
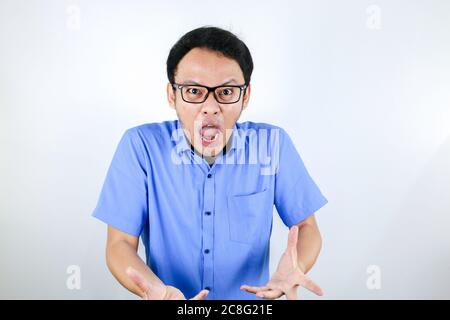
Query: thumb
pixel 201 295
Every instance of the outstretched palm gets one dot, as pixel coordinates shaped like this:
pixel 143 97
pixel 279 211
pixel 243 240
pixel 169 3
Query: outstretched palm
pixel 288 275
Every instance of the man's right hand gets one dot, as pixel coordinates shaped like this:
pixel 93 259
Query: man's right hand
pixel 159 292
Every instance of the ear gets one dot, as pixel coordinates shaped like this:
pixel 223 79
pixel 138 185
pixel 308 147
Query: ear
pixel 171 95
pixel 246 96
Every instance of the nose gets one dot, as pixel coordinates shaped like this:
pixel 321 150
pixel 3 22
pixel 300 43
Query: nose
pixel 210 106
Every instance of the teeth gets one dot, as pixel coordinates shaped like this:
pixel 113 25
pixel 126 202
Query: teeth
pixel 209 140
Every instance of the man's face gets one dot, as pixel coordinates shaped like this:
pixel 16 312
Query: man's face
pixel 208 125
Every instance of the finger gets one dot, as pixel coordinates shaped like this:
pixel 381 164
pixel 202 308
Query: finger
pixel 291 294
pixel 270 294
pixel 201 295
pixel 253 289
pixel 312 286
pixel 138 280
pixel 293 238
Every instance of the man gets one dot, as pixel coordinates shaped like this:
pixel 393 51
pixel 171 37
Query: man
pixel 200 190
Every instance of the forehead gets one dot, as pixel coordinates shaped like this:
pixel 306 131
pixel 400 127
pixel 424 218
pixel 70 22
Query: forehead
pixel 208 67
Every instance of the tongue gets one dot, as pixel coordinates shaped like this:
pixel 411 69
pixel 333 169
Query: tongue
pixel 209 132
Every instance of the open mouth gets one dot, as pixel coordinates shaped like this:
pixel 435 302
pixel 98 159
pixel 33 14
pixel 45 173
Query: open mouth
pixel 209 134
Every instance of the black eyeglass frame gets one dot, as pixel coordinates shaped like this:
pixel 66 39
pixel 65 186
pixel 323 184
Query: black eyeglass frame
pixel 210 89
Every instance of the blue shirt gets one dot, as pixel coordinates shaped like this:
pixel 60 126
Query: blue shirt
pixel 206 226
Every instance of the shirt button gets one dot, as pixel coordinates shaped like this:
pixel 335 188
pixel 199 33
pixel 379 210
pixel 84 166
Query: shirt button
pixel 209 175
pixel 206 250
pixel 208 213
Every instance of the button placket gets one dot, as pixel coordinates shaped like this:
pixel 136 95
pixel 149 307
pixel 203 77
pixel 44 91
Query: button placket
pixel 208 233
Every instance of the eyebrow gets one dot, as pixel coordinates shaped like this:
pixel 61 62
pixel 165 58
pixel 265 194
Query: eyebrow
pixel 192 82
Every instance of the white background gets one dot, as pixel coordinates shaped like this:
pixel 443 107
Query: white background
pixel 362 87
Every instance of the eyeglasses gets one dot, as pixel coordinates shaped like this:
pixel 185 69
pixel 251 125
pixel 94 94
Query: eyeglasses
pixel 199 94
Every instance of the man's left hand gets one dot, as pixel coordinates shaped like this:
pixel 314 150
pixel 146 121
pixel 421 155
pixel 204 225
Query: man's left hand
pixel 288 276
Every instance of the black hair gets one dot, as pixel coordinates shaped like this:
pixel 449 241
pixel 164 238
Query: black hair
pixel 215 39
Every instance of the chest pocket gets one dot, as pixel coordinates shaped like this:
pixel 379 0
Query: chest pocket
pixel 248 215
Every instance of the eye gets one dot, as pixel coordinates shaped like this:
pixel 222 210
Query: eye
pixel 193 91
pixel 226 91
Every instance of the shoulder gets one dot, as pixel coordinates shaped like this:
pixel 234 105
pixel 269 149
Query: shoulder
pixel 152 129
pixel 271 129
pixel 155 131
pixel 150 137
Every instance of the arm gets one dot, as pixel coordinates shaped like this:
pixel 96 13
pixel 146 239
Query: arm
pixel 121 253
pixel 132 273
pixel 309 243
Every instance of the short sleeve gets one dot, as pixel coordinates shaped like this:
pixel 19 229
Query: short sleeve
pixel 296 194
pixel 123 198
